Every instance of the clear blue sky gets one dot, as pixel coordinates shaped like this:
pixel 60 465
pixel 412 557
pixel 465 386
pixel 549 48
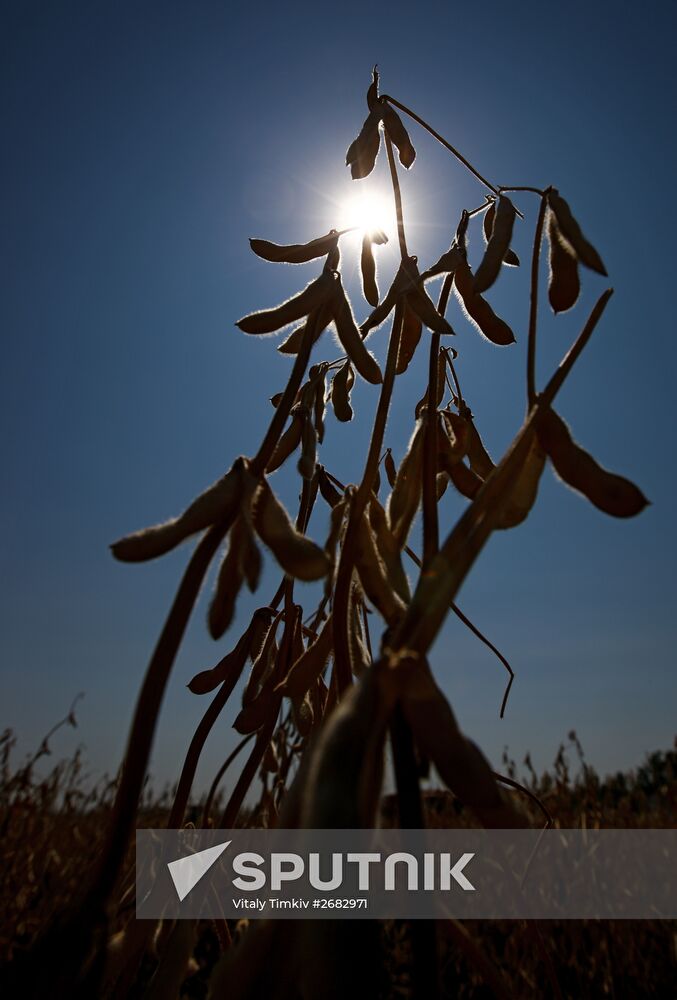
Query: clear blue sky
pixel 142 146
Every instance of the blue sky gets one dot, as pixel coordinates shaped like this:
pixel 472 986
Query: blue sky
pixel 142 146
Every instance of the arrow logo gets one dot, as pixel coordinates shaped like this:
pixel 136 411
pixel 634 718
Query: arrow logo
pixel 187 872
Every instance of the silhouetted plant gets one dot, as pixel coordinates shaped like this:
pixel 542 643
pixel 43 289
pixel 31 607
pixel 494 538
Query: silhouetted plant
pixel 317 691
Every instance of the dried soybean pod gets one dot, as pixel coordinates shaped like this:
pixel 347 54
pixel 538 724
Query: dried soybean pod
pixel 498 245
pixel 388 549
pixel 227 669
pixel 288 442
pixel 564 286
pixel 360 658
pixel 308 667
pixel 296 554
pixel 447 264
pixel 478 309
pixel 373 576
pixel 350 338
pixel 382 311
pixel 452 438
pixel 441 384
pixel 327 489
pixel 218 502
pixel 303 715
pixel 412 327
pixel 421 303
pixel 270 762
pixel 522 495
pixel 306 463
pixel 269 320
pixel 253 715
pixel 404 499
pixel 372 92
pixel 457 431
pixel 229 581
pixel 341 385
pixel 461 238
pixel 362 152
pixel 368 272
pixel 389 463
pixel 488 221
pixel 319 407
pixel 447 455
pixel 333 259
pixel 296 253
pixel 346 762
pixel 571 232
pixel 480 459
pixel 467 482
pixel 459 763
pixel 612 494
pixel 320 318
pixel 260 627
pixel 263 664
pixel 395 128
pixel 251 556
pixel 441 483
pixel 510 257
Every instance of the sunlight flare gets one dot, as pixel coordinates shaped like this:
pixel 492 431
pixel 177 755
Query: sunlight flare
pixel 368 212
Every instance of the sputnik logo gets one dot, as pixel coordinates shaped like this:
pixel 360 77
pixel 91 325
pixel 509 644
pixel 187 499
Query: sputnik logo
pixel 187 872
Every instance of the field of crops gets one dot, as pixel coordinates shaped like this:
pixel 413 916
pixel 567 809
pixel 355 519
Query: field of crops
pixel 53 826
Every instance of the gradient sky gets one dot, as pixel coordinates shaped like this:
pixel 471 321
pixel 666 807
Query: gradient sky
pixel 142 146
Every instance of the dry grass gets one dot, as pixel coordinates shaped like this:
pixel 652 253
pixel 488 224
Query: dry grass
pixel 53 827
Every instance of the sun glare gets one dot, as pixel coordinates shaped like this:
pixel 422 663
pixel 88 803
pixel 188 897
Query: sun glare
pixel 368 212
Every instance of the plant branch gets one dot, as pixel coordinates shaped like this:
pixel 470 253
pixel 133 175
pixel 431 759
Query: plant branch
pixel 344 573
pixel 447 145
pixel 398 197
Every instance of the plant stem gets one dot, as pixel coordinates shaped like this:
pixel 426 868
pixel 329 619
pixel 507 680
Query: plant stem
pixel 410 809
pixel 431 538
pixel 142 730
pixel 398 198
pixel 534 190
pixel 447 145
pixel 200 735
pixel 344 573
pixel 263 455
pixel 533 307
pixel 219 774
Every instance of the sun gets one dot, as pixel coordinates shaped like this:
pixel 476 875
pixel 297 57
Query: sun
pixel 368 212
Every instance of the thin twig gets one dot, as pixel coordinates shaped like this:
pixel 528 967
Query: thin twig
pixel 447 145
pixel 476 632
